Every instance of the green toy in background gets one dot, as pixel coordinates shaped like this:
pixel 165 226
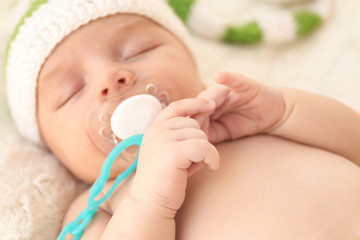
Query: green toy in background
pixel 278 28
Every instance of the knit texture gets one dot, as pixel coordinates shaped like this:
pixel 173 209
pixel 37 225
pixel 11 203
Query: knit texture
pixel 279 27
pixel 44 26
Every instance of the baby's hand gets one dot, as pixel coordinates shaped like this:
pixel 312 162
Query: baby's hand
pixel 243 107
pixel 173 148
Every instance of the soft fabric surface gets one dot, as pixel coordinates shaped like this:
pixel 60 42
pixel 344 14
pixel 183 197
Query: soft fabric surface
pixel 36 190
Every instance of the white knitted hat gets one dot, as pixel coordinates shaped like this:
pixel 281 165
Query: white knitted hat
pixel 45 24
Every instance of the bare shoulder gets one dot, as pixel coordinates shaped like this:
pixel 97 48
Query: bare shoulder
pixel 99 221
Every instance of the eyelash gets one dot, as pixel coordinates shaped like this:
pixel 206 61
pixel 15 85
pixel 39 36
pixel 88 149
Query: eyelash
pixel 73 93
pixel 138 53
pixel 142 51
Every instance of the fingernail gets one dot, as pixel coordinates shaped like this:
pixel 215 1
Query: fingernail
pixel 210 102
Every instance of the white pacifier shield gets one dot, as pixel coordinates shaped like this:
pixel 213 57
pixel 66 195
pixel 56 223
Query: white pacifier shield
pixel 134 115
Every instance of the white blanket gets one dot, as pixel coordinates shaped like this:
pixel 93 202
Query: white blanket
pixel 36 190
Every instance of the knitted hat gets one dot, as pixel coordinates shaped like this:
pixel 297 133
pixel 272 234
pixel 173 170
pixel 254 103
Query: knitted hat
pixel 48 22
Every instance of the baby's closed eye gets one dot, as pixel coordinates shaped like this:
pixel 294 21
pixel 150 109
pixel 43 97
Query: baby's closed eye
pixel 139 50
pixel 70 86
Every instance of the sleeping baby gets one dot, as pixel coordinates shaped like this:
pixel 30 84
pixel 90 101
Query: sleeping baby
pixel 236 160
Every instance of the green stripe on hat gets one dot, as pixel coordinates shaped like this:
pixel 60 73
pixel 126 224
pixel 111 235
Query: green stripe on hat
pixel 181 8
pixel 33 7
pixel 306 21
pixel 247 34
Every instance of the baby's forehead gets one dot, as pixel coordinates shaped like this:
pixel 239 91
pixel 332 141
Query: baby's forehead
pixel 118 26
pixel 111 29
pixel 119 21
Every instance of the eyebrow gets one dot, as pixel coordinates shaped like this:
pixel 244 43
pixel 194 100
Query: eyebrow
pixel 53 77
pixel 51 74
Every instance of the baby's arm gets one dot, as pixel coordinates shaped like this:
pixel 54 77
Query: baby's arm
pixel 320 122
pixel 135 220
pixel 173 148
pixel 130 221
pixel 247 107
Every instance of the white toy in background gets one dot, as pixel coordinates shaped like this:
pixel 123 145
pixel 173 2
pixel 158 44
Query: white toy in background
pixel 277 27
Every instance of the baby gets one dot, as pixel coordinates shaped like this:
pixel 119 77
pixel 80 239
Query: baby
pixel 285 160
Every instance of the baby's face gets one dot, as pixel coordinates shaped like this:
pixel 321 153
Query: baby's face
pixel 108 58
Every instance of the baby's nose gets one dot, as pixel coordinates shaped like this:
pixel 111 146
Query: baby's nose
pixel 116 83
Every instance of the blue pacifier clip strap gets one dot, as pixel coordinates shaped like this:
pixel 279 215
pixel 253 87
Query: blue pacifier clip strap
pixel 77 226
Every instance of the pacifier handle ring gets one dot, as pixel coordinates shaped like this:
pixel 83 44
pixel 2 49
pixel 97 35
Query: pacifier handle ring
pixel 77 226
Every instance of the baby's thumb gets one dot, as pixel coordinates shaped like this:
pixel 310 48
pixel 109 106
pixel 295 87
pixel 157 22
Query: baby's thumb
pixel 235 81
pixel 194 168
pixel 203 120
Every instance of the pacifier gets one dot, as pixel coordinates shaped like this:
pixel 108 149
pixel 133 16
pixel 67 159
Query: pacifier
pixel 134 115
pixel 128 122
pixel 110 122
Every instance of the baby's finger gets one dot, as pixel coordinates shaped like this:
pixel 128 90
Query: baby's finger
pixel 185 107
pixel 196 151
pixel 203 120
pixel 189 133
pixel 218 93
pixel 181 122
pixel 194 168
pixel 235 81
